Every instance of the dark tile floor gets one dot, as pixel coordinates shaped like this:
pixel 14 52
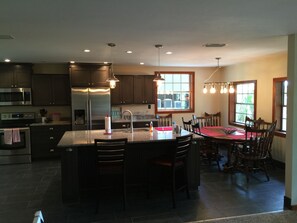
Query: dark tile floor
pixel 25 188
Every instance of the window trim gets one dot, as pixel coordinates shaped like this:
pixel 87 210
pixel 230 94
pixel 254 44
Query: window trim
pixel 275 81
pixel 192 92
pixel 231 103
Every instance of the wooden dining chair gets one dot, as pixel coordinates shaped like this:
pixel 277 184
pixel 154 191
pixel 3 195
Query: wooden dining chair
pixel 111 160
pixel 215 118
pixel 187 125
pixel 174 161
pixel 209 150
pixel 203 121
pixel 165 120
pixel 260 124
pixel 253 153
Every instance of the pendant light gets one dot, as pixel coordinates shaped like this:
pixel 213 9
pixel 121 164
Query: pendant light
pixel 112 79
pixel 158 79
pixel 225 87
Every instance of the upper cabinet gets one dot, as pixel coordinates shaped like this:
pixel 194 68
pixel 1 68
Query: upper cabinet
pixel 133 89
pixel 144 92
pixel 123 92
pixel 15 75
pixel 50 89
pixel 89 75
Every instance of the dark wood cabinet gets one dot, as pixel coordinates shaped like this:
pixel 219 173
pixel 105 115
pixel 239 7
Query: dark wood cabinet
pixel 51 89
pixel 89 75
pixel 138 124
pixel 123 92
pixel 15 75
pixel 44 140
pixel 144 92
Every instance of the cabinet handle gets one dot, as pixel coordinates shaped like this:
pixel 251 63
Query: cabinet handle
pixel 52 150
pixel 146 124
pixel 53 103
pixel 124 126
pixel 12 85
pixel 68 150
pixel 142 102
pixel 51 128
pixel 51 138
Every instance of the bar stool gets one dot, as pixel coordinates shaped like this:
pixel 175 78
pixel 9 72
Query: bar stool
pixel 111 161
pixel 175 160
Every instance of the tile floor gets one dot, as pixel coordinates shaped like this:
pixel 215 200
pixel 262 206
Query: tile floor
pixel 25 188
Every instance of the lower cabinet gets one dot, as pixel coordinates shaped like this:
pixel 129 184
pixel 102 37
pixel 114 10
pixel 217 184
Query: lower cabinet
pixel 44 140
pixel 142 124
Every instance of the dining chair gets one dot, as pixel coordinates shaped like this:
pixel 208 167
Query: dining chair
pixel 260 124
pixel 209 150
pixel 215 118
pixel 187 125
pixel 165 120
pixel 111 160
pixel 174 161
pixel 203 121
pixel 253 153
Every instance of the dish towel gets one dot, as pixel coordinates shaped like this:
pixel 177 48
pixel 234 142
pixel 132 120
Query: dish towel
pixel 8 136
pixel 16 135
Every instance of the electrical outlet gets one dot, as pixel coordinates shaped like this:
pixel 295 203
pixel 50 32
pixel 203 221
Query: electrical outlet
pixel 149 106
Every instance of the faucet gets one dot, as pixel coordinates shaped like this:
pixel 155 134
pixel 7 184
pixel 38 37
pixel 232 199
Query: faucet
pixel 131 119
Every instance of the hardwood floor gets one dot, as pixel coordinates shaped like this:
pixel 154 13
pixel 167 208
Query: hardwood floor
pixel 25 188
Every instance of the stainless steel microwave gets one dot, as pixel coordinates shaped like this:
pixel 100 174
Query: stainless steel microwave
pixel 15 96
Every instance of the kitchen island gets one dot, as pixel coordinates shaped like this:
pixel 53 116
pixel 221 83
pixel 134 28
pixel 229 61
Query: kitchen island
pixel 78 157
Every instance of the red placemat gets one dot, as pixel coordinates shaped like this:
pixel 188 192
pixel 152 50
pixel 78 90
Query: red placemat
pixel 165 128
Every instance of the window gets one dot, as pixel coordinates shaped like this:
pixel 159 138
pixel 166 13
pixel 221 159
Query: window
pixel 176 93
pixel 280 99
pixel 243 102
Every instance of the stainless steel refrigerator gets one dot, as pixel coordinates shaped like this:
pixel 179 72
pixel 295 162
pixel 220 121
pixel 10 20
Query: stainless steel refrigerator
pixel 89 107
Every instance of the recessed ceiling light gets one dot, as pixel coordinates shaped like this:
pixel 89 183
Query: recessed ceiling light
pixel 105 62
pixel 129 51
pixel 141 63
pixel 7 60
pixel 87 50
pixel 214 44
pixel 168 52
pixel 72 61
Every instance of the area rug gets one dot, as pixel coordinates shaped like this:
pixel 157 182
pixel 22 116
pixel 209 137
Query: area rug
pixel 271 217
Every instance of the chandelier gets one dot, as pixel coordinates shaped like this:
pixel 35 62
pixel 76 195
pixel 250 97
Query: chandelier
pixel 212 87
pixel 112 79
pixel 158 79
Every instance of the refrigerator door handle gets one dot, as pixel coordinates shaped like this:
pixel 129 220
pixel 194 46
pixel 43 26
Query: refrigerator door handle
pixel 87 115
pixel 90 113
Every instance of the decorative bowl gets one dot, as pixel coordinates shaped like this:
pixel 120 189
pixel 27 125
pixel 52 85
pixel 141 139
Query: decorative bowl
pixel 229 131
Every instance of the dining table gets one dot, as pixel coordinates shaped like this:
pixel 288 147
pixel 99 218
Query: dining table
pixel 229 136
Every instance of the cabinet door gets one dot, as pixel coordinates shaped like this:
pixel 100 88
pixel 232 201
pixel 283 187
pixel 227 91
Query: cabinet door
pixel 99 76
pixel 115 94
pixel 41 90
pixel 22 76
pixel 139 89
pixel 80 76
pixel 149 89
pixel 60 90
pixel 6 76
pixel 127 89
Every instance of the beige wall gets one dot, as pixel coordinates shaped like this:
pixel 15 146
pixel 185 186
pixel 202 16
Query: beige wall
pixel 263 70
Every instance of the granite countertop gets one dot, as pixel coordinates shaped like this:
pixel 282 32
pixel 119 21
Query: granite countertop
pixel 51 123
pixel 140 135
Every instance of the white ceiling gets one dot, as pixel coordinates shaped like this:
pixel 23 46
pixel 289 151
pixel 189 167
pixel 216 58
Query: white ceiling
pixel 57 31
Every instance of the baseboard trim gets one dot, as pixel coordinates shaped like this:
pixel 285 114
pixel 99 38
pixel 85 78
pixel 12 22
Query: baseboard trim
pixel 287 204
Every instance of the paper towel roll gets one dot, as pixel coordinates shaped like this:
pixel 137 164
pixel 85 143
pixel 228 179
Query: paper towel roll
pixel 107 124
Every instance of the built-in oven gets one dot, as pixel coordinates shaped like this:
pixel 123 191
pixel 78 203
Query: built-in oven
pixel 15 96
pixel 15 151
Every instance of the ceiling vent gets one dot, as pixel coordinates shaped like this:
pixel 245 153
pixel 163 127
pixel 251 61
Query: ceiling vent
pixel 214 45
pixel 6 37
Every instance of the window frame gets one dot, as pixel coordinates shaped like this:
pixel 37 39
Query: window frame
pixel 232 102
pixel 276 94
pixel 192 93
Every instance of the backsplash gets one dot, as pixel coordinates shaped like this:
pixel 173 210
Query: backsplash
pixel 139 111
